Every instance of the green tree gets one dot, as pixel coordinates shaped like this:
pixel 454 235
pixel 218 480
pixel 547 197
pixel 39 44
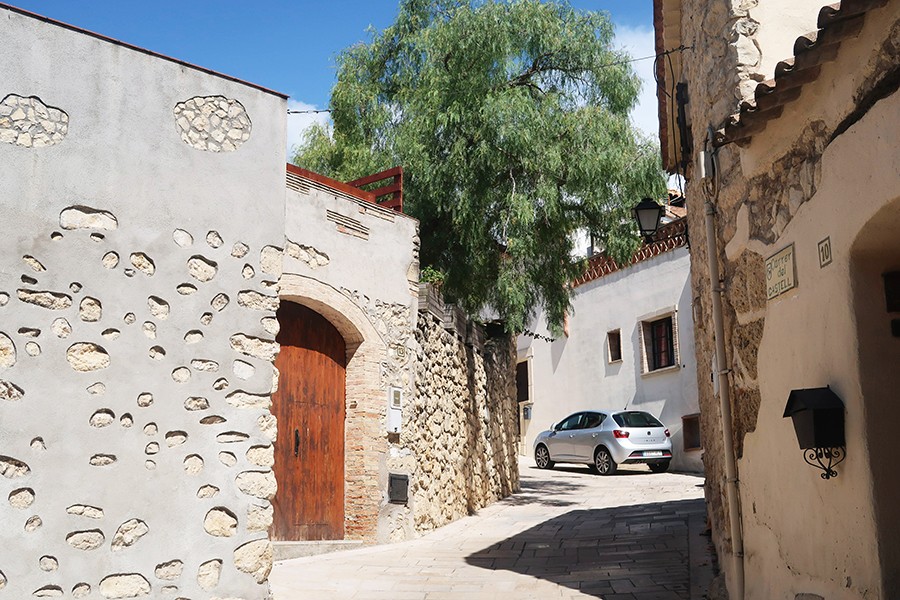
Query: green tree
pixel 510 119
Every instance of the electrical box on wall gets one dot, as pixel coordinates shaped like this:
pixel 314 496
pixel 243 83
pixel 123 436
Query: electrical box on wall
pixel 395 410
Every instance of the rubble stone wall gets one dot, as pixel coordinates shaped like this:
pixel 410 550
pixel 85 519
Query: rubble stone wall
pixel 772 192
pixel 458 441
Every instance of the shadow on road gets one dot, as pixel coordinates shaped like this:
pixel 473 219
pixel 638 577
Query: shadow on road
pixel 641 548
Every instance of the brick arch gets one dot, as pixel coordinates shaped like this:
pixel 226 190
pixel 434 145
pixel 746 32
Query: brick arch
pixel 366 400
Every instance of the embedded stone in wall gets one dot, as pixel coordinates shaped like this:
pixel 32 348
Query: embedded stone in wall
pixel 182 238
pixel 207 491
pixel 143 263
pixel 10 391
pixel 86 540
pixel 12 468
pixel 128 533
pixel 268 426
pixel 196 403
pixel 307 254
pixel 102 460
pixel 270 260
pixel 28 122
pixel 256 301
pixel 129 585
pixel 214 240
pixel 49 300
pixel 205 365
pixel 254 346
pixel 169 571
pixel 254 558
pixel 242 399
pixel 159 308
pixel 220 522
pixel 48 591
pixel 34 263
pixel 212 123
pixel 85 356
pixel 231 437
pixel 201 268
pixel 7 352
pixel 85 217
pixel 83 510
pixel 208 574
pixel 259 484
pixel 263 456
pixel 21 498
pixel 90 310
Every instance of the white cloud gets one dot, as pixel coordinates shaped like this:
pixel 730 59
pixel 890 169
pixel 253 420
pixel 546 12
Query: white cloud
pixel 298 123
pixel 640 42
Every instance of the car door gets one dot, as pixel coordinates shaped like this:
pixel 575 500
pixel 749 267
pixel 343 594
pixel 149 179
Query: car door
pixel 560 441
pixel 585 439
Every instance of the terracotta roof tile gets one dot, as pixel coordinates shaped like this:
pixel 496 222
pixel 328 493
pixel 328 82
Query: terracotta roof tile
pixel 836 23
pixel 669 237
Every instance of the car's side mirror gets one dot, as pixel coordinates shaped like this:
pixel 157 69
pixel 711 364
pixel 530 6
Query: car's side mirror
pixel 553 426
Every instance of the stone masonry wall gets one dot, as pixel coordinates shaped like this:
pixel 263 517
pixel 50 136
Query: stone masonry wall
pixel 753 209
pixel 458 438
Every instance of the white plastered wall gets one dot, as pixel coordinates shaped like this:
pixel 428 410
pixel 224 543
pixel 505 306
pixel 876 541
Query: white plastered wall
pixel 128 496
pixel 573 373
pixel 803 534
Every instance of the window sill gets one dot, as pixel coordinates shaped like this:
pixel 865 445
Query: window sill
pixel 614 362
pixel 675 367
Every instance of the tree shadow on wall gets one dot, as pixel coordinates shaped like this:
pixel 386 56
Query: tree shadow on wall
pixel 607 551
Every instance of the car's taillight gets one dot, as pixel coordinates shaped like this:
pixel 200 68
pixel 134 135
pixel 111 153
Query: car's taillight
pixel 619 433
pixel 668 434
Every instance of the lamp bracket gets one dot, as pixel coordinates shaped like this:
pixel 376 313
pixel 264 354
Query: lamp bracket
pixel 825 459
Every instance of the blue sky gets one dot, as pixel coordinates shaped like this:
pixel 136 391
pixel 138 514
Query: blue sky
pixel 290 46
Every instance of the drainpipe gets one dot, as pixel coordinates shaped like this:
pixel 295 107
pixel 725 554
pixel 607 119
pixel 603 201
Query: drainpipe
pixel 731 481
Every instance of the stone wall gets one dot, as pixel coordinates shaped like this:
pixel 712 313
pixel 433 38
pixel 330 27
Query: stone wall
pixel 458 441
pixel 771 192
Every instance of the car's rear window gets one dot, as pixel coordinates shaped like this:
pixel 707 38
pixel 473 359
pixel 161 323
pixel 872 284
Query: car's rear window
pixel 636 419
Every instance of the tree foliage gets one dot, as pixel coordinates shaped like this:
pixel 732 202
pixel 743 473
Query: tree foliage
pixel 510 118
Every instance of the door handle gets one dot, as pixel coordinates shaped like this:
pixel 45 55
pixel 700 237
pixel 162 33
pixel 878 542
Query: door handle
pixel 296 443
pixel 571 435
pixel 593 435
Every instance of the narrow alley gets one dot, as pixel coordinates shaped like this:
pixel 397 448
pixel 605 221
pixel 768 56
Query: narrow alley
pixel 567 534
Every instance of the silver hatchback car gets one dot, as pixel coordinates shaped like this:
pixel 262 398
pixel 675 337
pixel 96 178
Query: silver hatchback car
pixel 603 441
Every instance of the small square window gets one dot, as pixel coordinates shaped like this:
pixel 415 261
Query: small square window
pixel 690 430
pixel 614 345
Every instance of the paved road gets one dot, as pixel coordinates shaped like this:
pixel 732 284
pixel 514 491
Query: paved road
pixel 568 534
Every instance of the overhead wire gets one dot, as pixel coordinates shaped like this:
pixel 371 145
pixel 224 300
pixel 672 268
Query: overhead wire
pixel 655 58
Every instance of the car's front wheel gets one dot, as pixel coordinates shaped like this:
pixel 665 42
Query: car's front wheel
pixel 542 457
pixel 604 463
pixel 660 467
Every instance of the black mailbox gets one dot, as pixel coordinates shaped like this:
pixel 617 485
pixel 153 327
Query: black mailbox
pixel 398 488
pixel 818 416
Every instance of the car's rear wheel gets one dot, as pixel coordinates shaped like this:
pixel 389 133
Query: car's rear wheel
pixel 542 457
pixel 659 467
pixel 604 463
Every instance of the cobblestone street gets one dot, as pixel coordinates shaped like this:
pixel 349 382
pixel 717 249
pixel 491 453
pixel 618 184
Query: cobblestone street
pixel 568 534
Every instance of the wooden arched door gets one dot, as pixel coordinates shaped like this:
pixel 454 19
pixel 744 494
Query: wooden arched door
pixel 309 405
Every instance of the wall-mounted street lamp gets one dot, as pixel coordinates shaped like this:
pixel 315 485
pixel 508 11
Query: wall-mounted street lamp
pixel 818 416
pixel 648 214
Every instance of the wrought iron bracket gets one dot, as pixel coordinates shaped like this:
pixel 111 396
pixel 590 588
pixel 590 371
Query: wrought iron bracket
pixel 825 459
